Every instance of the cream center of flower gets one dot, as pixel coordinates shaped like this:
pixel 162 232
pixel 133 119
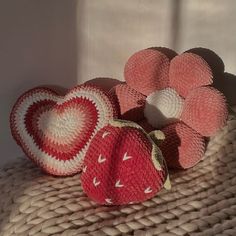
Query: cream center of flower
pixel 163 107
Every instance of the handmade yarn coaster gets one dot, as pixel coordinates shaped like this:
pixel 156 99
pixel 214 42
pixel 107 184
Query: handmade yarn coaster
pixel 123 165
pixel 178 99
pixel 55 131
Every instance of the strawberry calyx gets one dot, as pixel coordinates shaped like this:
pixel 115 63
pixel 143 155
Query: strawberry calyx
pixel 157 136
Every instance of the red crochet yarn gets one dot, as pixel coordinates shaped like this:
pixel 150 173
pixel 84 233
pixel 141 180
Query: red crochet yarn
pixel 55 131
pixel 122 166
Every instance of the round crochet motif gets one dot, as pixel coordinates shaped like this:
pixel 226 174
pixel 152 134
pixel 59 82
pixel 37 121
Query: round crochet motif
pixel 163 107
pixel 55 131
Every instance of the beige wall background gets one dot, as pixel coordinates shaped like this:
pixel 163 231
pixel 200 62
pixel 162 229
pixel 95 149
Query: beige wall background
pixel 63 43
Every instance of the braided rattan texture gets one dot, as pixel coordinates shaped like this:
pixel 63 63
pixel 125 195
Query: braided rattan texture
pixel 202 201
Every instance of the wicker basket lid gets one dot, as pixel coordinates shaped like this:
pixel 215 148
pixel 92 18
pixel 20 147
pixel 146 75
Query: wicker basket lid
pixel 202 200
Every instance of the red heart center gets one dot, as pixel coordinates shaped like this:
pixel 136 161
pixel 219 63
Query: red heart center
pixel 61 130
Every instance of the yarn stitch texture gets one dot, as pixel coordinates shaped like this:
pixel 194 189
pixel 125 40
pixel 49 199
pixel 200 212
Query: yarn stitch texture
pixel 164 88
pixel 55 131
pixel 202 201
pixel 123 165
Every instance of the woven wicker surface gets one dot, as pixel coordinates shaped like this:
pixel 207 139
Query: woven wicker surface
pixel 202 201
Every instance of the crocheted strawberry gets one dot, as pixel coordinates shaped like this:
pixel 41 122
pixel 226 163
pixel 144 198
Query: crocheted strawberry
pixel 123 165
pixel 55 131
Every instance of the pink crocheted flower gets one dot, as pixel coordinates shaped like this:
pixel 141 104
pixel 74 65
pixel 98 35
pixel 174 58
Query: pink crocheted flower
pixel 173 93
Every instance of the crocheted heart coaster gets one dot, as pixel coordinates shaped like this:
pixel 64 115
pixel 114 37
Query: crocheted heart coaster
pixel 123 165
pixel 173 88
pixel 55 131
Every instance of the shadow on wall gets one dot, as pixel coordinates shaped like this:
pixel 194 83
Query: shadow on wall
pixel 38 46
pixel 223 81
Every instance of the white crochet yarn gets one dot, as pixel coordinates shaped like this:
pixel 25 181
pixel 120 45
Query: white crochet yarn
pixel 163 107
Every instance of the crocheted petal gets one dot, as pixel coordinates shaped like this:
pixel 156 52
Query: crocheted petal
pixel 189 71
pixel 183 147
pixel 205 110
pixel 130 101
pixel 147 71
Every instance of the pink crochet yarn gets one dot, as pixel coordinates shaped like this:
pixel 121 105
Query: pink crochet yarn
pixel 130 101
pixel 182 147
pixel 147 71
pixel 123 165
pixel 55 131
pixel 177 88
pixel 205 110
pixel 189 71
pixel 104 83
